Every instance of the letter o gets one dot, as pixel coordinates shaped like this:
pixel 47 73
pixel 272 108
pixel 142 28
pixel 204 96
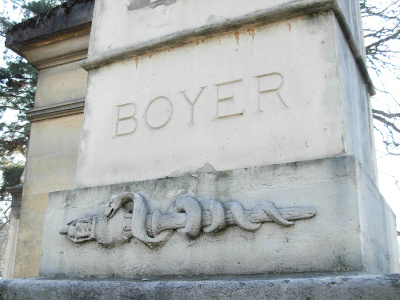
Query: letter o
pixel 147 110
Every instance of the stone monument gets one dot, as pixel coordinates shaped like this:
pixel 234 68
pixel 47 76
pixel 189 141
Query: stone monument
pixel 225 139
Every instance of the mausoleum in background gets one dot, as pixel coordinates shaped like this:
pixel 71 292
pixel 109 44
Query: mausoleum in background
pixel 203 149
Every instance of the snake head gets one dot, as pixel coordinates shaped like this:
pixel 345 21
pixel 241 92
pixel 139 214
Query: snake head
pixel 112 206
pixel 125 200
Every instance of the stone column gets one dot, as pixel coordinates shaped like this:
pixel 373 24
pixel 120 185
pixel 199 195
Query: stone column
pixel 53 43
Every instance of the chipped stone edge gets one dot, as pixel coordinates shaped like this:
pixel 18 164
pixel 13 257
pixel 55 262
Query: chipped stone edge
pixel 298 286
pixel 261 17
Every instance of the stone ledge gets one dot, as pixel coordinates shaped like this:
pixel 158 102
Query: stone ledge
pixel 64 20
pixel 56 111
pixel 258 18
pixel 183 37
pixel 302 286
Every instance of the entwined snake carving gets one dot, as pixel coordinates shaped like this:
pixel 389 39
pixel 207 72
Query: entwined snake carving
pixel 186 214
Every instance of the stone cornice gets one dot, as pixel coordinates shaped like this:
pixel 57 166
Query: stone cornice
pixel 15 190
pixel 56 111
pixel 60 60
pixel 259 18
pixel 64 20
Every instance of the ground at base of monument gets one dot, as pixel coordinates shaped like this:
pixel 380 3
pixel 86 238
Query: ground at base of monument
pixel 299 286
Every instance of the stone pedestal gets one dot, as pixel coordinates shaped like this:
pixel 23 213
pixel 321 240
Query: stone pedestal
pixel 337 222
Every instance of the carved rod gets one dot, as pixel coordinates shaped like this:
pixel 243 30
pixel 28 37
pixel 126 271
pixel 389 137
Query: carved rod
pixel 175 221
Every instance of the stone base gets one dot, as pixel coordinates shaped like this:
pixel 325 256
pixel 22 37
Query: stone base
pixel 340 286
pixel 353 229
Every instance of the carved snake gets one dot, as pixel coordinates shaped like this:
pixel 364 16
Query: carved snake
pixel 136 203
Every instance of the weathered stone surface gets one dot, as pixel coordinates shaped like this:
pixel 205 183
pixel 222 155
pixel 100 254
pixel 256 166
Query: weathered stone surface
pixel 73 14
pixel 52 155
pixel 61 84
pixel 179 17
pixel 257 96
pixel 51 166
pixel 9 255
pixel 327 287
pixel 356 106
pixel 339 238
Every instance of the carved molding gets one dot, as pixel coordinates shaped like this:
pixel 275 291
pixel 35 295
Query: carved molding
pixel 261 17
pixel 127 216
pixel 58 110
pixel 60 60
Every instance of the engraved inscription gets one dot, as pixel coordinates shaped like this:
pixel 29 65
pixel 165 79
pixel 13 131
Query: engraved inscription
pixel 230 98
pixel 264 88
pixel 192 104
pixel 168 110
pixel 126 121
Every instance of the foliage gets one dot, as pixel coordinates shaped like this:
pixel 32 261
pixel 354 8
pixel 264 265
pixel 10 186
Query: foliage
pixel 17 90
pixel 11 177
pixel 24 9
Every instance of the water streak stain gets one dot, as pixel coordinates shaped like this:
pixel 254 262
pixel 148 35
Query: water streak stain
pixel 137 62
pixel 237 34
pixel 290 27
pixel 251 32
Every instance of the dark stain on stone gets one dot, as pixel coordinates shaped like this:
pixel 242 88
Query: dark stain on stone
pixel 223 174
pixel 59 20
pixel 64 8
pixel 139 4
pixel 162 2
